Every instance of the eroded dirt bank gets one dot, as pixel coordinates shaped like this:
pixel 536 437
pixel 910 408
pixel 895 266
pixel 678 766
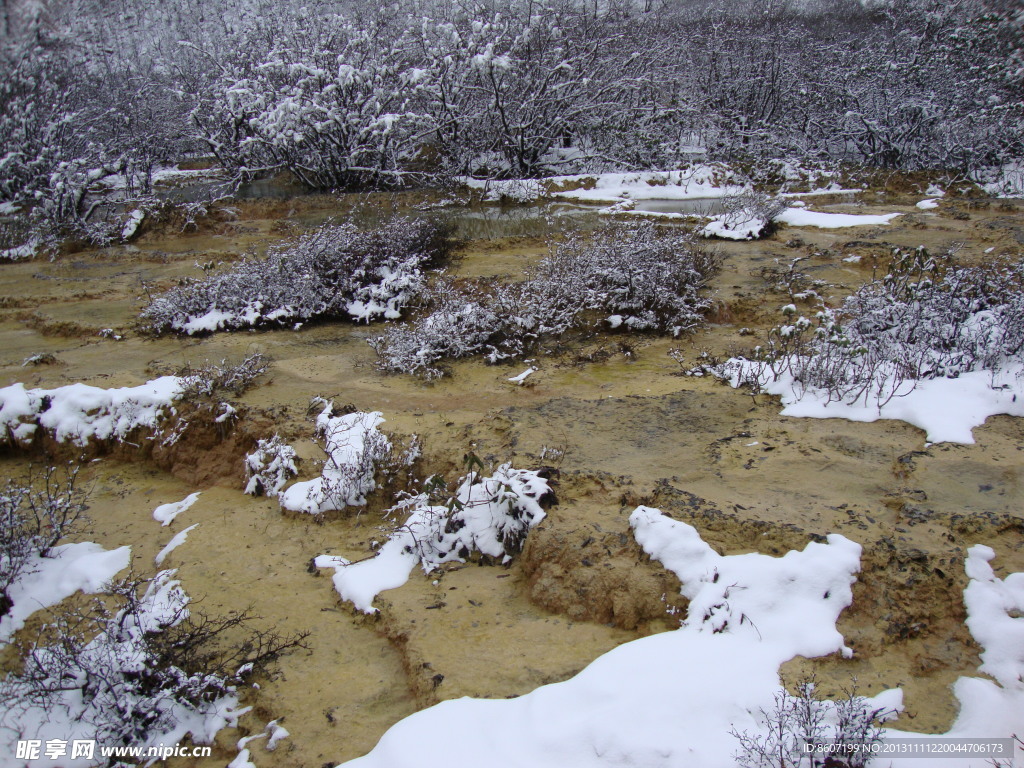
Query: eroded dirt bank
pixel 611 414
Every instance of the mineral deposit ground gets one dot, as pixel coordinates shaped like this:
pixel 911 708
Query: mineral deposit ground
pixel 611 415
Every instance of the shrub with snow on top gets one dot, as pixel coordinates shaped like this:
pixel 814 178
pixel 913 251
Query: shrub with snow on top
pixel 335 271
pixel 638 275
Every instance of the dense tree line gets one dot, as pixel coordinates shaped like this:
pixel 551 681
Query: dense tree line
pixel 347 95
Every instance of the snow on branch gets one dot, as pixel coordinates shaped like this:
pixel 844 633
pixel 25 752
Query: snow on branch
pixel 335 271
pixel 639 276
pixel 354 448
pixel 491 515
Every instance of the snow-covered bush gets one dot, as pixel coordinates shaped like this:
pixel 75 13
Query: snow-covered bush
pixel 638 276
pixel 79 413
pixel 143 672
pixel 354 448
pixel 747 216
pixel 270 467
pixel 927 318
pixel 336 270
pixel 330 102
pixel 490 515
pixel 33 517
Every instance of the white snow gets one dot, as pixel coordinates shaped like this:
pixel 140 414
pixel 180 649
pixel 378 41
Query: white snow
pixel 929 204
pixel 521 378
pixel 165 513
pixel 242 760
pixel 801 217
pixel 987 709
pixel 176 541
pixel 831 189
pixel 174 174
pixel 270 467
pixel 699 181
pixel 78 413
pixel 989 601
pixel 729 226
pixel 488 512
pixel 276 733
pixel 17 253
pixel 674 699
pixel 669 700
pixel 83 566
pixel 131 226
pixel 946 409
pixel 211 321
pixel 354 445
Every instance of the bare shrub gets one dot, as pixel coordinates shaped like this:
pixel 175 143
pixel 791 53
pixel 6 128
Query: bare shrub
pixel 136 665
pixel 34 516
pixel 851 723
pixel 211 378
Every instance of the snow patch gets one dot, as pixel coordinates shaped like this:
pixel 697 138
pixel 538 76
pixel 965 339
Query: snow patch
pixel 165 513
pixel 946 409
pixel 669 699
pixel 730 227
pixel 70 568
pixel 176 541
pixel 988 709
pixel 801 217
pixel 17 253
pixel 698 181
pixel 521 378
pixel 131 226
pixel 674 699
pixel 79 413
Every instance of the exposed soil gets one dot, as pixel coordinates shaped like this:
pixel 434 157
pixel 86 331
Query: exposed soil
pixel 614 417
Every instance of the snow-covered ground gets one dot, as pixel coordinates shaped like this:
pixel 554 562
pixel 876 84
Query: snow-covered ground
pixel 676 699
pixel 70 568
pixel 947 410
pixel 801 217
pixel 78 413
pixel 699 181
